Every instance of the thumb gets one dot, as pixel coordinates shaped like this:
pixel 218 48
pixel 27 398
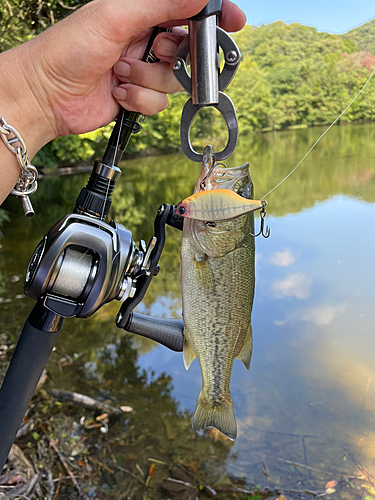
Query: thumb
pixel 125 18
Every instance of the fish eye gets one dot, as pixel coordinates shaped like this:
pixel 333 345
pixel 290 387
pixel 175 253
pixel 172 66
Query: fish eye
pixel 181 210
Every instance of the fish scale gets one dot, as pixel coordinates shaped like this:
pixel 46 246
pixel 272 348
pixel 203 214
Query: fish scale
pixel 217 284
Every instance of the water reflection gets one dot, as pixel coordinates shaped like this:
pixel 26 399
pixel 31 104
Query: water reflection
pixel 310 391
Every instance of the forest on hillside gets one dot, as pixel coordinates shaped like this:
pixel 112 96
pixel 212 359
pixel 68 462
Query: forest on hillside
pixel 290 76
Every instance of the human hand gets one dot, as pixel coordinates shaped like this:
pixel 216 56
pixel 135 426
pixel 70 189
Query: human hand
pixel 73 77
pixel 83 68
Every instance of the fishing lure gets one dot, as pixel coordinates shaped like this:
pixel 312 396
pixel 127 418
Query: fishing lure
pixel 217 205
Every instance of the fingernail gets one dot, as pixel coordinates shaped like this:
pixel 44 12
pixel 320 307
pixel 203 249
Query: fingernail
pixel 166 47
pixel 119 93
pixel 123 69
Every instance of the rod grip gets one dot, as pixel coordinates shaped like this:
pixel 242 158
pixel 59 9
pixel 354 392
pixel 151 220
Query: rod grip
pixel 22 377
pixel 166 331
pixel 126 123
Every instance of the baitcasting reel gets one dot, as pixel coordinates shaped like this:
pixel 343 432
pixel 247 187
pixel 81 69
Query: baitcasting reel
pixel 83 263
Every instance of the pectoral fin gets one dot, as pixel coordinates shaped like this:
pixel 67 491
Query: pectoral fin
pixel 247 349
pixel 188 353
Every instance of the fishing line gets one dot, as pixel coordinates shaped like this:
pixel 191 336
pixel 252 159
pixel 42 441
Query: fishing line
pixel 323 134
pixel 105 200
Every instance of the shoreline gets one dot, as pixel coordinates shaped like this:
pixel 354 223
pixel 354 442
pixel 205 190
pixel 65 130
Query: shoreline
pixel 86 167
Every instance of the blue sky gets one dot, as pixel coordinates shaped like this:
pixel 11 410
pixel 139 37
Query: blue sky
pixel 332 16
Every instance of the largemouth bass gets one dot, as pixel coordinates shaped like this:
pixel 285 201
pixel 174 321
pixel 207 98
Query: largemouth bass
pixel 217 284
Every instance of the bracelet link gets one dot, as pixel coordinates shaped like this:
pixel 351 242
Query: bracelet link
pixel 27 183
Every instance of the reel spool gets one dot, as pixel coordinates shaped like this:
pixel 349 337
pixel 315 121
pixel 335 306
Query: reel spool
pixel 74 270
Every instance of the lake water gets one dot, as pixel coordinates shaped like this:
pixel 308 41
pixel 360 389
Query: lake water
pixel 309 396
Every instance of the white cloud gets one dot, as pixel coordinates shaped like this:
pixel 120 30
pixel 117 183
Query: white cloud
pixel 322 315
pixel 295 285
pixel 283 259
pixel 279 322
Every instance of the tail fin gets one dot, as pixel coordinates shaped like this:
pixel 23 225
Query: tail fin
pixel 220 417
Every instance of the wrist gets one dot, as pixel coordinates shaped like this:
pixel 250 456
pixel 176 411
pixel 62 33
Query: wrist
pixel 23 106
pixel 23 101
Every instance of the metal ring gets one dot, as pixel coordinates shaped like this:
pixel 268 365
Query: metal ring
pixel 24 162
pixel 28 192
pixel 227 110
pixel 29 173
pixel 4 131
pixel 19 139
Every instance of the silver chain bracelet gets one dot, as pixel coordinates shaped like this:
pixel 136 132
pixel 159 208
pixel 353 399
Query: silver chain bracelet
pixel 28 181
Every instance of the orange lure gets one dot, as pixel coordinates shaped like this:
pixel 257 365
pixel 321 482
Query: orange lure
pixel 217 205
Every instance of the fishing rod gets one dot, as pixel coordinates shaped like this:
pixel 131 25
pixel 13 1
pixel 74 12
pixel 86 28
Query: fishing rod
pixel 84 262
pixel 81 264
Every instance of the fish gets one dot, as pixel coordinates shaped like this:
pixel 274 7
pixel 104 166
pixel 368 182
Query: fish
pixel 217 205
pixel 217 285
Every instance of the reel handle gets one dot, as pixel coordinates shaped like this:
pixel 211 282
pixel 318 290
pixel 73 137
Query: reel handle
pixel 166 331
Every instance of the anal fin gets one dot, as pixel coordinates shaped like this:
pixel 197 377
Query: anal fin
pixel 188 353
pixel 247 349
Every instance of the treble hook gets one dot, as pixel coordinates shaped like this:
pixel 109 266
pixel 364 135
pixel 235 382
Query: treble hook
pixel 265 233
pixel 203 183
